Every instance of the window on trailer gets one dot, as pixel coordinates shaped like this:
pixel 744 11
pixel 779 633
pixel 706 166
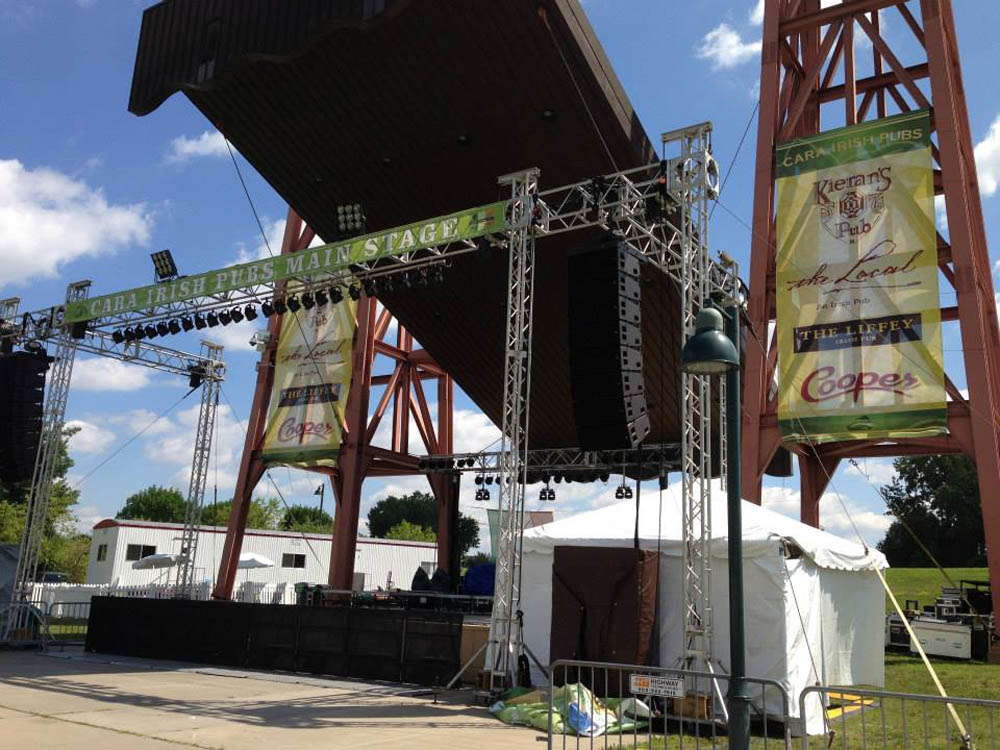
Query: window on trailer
pixel 291 560
pixel 102 552
pixel 139 551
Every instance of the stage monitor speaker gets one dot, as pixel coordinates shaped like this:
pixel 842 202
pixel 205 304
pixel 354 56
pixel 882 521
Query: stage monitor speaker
pixel 605 346
pixel 22 391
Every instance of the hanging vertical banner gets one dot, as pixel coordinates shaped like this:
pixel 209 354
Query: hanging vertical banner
pixel 859 320
pixel 312 375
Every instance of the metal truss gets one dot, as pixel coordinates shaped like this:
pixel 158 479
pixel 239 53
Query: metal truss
pixel 53 417
pixel 213 371
pixel 551 461
pixel 505 644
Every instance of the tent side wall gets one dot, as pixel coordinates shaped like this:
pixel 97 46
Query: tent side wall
pixel 853 627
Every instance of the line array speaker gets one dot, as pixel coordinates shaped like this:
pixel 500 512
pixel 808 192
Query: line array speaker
pixel 22 389
pixel 605 346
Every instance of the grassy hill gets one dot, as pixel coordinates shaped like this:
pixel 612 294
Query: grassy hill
pixel 924 584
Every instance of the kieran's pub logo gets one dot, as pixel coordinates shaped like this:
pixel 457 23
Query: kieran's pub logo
pixel 850 207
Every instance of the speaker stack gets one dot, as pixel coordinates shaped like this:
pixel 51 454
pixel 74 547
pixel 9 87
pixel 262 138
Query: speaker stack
pixel 605 346
pixel 22 389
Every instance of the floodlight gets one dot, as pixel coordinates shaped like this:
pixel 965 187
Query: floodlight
pixel 267 309
pixel 163 329
pixel 186 324
pixel 250 312
pixel 163 265
pixel 225 318
pixel 354 292
pixel 236 314
pixel 151 332
pixel 118 337
pixel 293 303
pixel 199 322
pixel 308 301
pixel 213 320
pixel 280 307
pixel 174 326
pixel 321 298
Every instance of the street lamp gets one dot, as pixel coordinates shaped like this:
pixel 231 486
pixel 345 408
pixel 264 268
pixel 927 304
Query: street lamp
pixel 712 352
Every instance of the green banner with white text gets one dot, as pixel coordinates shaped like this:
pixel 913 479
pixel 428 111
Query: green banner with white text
pixel 464 225
pixel 859 319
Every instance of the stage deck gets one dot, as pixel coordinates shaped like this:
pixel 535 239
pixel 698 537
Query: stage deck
pixel 414 108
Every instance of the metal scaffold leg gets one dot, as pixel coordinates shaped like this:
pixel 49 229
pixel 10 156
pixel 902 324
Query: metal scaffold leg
pixel 53 418
pixel 211 370
pixel 504 641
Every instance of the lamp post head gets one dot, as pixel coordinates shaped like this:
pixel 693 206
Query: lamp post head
pixel 709 351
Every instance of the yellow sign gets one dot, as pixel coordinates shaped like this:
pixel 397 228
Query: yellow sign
pixel 859 321
pixel 312 376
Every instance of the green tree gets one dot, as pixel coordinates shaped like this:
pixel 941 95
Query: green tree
pixel 410 532
pixel 164 504
pixel 938 498
pixel 477 559
pixel 306 518
pixel 59 518
pixel 420 509
pixel 264 513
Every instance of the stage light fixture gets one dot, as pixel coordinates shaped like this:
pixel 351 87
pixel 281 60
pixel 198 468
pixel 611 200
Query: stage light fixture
pixel 628 493
pixel 489 480
pixel 479 479
pixel 619 492
pixel 267 309
pixel 196 375
pixel 308 301
pixel 118 337
pixel 187 324
pixel 438 274
pixel 200 322
pixel 321 298
pixel 162 329
pixel 163 265
pixel 280 307
pixel 225 318
pixel 151 331
pixel 250 312
pixel 369 286
pixel 140 333
pixel 213 320
pixel 354 292
pixel 336 294
pixel 174 326
pixel 128 334
pixel 236 314
pixel 293 303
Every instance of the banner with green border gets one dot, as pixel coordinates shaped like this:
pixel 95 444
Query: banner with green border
pixel 859 321
pixel 463 225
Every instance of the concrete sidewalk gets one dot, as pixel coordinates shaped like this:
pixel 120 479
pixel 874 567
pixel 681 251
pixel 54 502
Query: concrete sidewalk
pixel 76 700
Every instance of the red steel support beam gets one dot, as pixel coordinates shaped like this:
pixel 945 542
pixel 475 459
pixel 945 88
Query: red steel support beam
pixel 792 62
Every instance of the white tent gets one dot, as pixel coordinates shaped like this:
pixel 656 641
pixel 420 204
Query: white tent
pixel 811 597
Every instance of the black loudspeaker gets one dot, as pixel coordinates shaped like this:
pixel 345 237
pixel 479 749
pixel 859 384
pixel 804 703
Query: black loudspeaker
pixel 605 346
pixel 22 389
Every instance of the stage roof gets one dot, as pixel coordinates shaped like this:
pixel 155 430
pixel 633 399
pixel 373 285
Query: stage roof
pixel 414 108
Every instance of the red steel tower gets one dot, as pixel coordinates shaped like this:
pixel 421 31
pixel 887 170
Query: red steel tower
pixel 404 396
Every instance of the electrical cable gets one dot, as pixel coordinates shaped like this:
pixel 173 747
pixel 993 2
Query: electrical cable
pixel 736 156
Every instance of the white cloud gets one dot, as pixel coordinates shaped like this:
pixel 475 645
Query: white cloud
pixel 725 48
pixel 274 231
pixel 86 517
pixel 871 523
pixel 183 149
pixel 473 431
pixel 878 471
pixel 90 437
pixel 987 153
pixel 757 14
pixel 101 374
pixel 141 419
pixel 50 219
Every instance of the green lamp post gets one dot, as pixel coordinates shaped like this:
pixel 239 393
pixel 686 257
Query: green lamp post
pixel 712 352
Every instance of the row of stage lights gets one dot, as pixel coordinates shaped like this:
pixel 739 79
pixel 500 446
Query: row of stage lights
pixel 276 305
pixel 293 303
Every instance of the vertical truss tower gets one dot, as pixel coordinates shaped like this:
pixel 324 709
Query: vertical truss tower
pixel 813 67
pixel 211 370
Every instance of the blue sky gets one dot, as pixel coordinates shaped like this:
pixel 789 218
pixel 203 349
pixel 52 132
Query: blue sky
pixel 88 190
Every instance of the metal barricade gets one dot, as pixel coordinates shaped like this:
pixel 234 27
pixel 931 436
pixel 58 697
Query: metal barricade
pixel 861 718
pixel 24 623
pixel 68 622
pixel 600 705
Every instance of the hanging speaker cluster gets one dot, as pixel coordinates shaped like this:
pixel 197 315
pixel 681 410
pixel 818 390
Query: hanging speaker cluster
pixel 22 389
pixel 605 346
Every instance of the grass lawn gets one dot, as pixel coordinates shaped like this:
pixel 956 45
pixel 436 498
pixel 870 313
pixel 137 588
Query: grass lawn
pixel 924 584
